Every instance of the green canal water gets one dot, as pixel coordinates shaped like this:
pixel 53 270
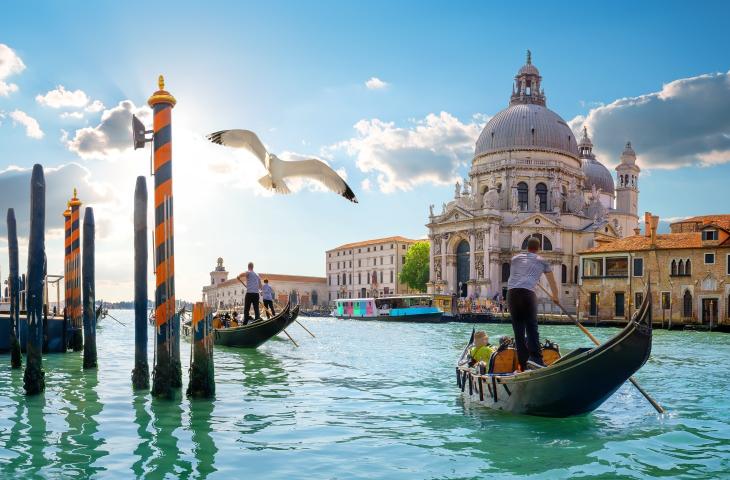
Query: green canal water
pixel 362 400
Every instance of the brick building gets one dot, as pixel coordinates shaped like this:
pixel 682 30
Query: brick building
pixel 689 269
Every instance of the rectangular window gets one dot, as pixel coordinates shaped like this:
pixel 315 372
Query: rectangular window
pixel 709 235
pixel 593 304
pixel 391 246
pixel 391 276
pixel 381 260
pixel 592 267
pixel 350 263
pixel 709 258
pixel 391 259
pixel 620 300
pixel 381 247
pixel 617 267
pixel 359 279
pixel 727 265
pixel 666 300
pixel 638 267
pixel 403 247
pixel 359 263
pixel 404 260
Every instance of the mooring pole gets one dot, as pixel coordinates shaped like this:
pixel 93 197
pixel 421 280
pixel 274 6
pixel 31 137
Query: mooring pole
pixel 89 287
pixel 33 379
pixel 202 382
pixel 67 325
pixel 74 309
pixel 141 372
pixel 168 371
pixel 14 291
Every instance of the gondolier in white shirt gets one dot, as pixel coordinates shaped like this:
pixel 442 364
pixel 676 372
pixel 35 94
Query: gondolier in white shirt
pixel 525 272
pixel 268 294
pixel 253 286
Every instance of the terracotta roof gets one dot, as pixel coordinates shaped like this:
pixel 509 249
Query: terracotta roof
pixel 722 220
pixel 374 241
pixel 276 277
pixel 665 241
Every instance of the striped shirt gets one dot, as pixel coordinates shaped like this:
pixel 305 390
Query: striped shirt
pixel 526 270
pixel 253 282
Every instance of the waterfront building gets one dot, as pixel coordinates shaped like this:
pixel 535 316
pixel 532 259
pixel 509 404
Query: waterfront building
pixel 529 176
pixel 370 268
pixel 223 292
pixel 689 270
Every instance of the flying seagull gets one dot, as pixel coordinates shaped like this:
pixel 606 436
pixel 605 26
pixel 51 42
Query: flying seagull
pixel 279 169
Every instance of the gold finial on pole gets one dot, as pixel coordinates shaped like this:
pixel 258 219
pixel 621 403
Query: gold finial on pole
pixel 161 95
pixel 74 192
pixel 529 57
pixel 161 82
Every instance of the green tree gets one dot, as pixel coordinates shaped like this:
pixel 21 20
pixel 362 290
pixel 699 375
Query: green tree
pixel 415 270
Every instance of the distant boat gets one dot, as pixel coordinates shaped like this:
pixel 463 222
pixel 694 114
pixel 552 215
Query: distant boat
pixel 576 383
pixel 395 308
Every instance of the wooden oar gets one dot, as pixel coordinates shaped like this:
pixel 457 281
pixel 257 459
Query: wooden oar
pixel 305 328
pixel 471 340
pixel 641 390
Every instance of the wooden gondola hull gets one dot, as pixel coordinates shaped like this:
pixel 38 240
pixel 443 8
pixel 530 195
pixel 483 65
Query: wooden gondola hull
pixel 576 384
pixel 255 334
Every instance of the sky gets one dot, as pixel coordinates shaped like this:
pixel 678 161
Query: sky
pixel 390 94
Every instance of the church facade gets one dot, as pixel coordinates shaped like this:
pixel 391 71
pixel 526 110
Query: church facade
pixel 529 176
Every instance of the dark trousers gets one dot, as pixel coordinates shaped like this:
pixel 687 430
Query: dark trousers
pixel 523 311
pixel 269 304
pixel 250 298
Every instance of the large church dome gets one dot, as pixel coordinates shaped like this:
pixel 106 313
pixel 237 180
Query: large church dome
pixel 527 124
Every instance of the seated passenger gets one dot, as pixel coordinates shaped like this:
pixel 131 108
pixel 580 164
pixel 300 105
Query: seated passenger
pixel 481 351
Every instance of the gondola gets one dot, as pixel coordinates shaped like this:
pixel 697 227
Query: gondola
pixel 257 333
pixel 574 384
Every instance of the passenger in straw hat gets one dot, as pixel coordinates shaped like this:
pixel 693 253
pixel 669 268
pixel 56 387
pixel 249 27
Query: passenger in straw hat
pixel 481 351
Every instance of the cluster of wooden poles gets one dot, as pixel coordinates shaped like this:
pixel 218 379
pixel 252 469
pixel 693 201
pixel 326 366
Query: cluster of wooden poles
pixel 167 372
pixel 34 376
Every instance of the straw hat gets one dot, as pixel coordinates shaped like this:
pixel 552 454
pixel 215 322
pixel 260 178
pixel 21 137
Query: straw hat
pixel 481 338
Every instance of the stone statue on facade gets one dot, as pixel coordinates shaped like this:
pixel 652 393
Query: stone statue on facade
pixel 595 209
pixel 430 210
pixel 537 202
pixel 479 266
pixel 457 190
pixel 437 268
pixel 466 188
pixel 575 202
pixel 437 245
pixel 479 241
pixel 490 201
pixel 515 200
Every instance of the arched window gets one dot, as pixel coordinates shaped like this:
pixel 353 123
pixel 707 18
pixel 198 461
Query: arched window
pixel 522 195
pixel 688 268
pixel 680 267
pixel 505 272
pixel 563 274
pixel 541 193
pixel 674 268
pixel 687 304
pixel 545 243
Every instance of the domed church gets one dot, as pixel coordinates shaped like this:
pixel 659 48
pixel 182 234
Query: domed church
pixel 529 176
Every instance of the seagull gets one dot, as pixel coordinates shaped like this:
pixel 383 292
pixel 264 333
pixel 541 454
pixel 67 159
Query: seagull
pixel 279 169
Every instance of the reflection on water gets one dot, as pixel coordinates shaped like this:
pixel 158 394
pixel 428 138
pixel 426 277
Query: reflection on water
pixel 363 399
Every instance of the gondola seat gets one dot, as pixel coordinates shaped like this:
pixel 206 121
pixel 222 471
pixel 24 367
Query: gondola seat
pixel 504 361
pixel 550 355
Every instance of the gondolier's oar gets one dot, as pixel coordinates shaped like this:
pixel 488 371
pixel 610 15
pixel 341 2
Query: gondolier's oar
pixel 305 328
pixel 646 395
pixel 112 317
pixel 292 340
pixel 471 340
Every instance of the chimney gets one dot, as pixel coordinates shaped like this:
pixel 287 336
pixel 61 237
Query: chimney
pixel 647 224
pixel 654 224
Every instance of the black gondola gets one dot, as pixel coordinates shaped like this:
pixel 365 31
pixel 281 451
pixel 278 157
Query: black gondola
pixel 575 384
pixel 257 333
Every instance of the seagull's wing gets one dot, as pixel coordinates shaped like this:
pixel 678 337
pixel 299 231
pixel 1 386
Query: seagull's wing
pixel 240 139
pixel 316 170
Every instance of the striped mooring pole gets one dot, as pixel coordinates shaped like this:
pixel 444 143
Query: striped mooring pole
pixel 73 283
pixel 167 371
pixel 14 291
pixel 202 382
pixel 141 372
pixel 34 376
pixel 89 287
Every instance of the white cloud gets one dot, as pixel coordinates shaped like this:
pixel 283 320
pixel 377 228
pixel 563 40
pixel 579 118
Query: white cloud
pixel 374 83
pixel 62 98
pixel 430 150
pixel 94 107
pixel 72 115
pixel 32 128
pixel 365 185
pixel 10 64
pixel 685 123
pixel 110 137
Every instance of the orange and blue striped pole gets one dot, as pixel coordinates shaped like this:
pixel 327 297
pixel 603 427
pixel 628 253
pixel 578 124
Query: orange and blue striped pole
pixel 67 269
pixel 167 372
pixel 74 307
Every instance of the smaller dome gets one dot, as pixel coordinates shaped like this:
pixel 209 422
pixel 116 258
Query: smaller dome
pixel 528 69
pixel 597 175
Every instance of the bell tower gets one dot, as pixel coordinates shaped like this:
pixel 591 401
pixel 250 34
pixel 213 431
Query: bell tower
pixel 219 275
pixel 627 181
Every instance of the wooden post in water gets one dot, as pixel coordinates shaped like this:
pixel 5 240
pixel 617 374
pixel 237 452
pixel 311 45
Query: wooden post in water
pixel 141 372
pixel 14 291
pixel 89 287
pixel 168 371
pixel 202 382
pixel 34 377
pixel 74 306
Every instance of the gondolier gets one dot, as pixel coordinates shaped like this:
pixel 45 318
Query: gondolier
pixel 525 272
pixel 268 294
pixel 253 286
